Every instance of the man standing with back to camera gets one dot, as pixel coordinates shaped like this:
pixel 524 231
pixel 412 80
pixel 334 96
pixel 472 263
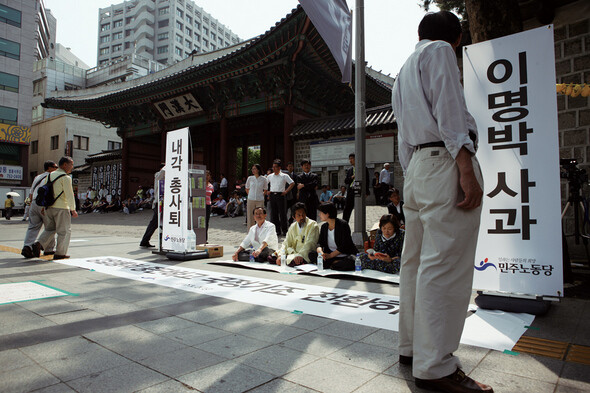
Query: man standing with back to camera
pixel 443 192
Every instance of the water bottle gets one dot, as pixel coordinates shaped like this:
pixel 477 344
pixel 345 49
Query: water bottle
pixel 252 254
pixel 357 265
pixel 320 262
pixel 283 259
pixel 191 241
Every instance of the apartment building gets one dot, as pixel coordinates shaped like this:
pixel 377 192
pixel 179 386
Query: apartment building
pixel 166 31
pixel 27 34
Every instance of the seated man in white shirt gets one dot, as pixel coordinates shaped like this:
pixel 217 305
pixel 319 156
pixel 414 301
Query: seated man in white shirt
pixel 340 198
pixel 262 237
pixel 300 244
pixel 235 206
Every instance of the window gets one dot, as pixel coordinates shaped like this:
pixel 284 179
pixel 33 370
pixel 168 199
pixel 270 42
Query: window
pixel 162 36
pixel 178 38
pixel 129 19
pixel 104 39
pixel 117 36
pixel 179 12
pixel 80 142
pixel 205 42
pixel 197 37
pixel 213 37
pixel 8 82
pixel 179 25
pixel 221 42
pixel 10 15
pixel 205 31
pixel 213 47
pixel 128 33
pixel 103 62
pixel 127 45
pixel 37 113
pixel 105 27
pixel 117 48
pixel 197 26
pixel 8 115
pixel 164 11
pixel 189 20
pixel 178 51
pixel 163 23
pixel 104 51
pixel 34 147
pixel 38 87
pixel 55 142
pixel 114 145
pixel 118 23
pixel 9 49
pixel 188 44
pixel 189 32
pixel 162 49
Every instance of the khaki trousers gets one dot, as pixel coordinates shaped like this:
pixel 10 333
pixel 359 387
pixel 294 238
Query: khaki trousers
pixel 57 221
pixel 437 262
pixel 250 211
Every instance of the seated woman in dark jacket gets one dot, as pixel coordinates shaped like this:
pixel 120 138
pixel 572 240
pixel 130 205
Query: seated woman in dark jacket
pixel 388 247
pixel 335 240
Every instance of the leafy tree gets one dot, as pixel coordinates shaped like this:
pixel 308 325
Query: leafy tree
pixel 253 158
pixel 485 20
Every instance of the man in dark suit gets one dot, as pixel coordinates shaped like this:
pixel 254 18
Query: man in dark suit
pixel 395 206
pixel 307 184
pixel 349 180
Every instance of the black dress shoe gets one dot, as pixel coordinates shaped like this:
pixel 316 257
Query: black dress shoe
pixel 146 245
pixel 56 257
pixel 48 252
pixel 37 247
pixel 405 360
pixel 457 382
pixel 27 252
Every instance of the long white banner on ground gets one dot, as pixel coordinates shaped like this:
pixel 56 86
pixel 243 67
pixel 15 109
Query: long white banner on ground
pixel 510 91
pixel 495 330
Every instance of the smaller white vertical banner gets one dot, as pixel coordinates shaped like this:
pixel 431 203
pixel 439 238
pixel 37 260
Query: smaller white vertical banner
pixel 176 191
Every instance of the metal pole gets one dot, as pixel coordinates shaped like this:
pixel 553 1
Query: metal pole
pixel 360 234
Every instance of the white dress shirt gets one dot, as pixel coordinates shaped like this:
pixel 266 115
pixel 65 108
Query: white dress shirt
pixel 267 233
pixel 384 176
pixel 433 107
pixel 279 182
pixel 256 187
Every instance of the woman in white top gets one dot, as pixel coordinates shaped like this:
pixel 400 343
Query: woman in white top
pixel 255 186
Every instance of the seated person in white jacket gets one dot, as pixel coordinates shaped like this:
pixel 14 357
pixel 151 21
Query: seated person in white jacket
pixel 262 237
pixel 302 238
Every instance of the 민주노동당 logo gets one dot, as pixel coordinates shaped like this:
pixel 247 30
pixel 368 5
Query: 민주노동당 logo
pixel 167 238
pixel 483 265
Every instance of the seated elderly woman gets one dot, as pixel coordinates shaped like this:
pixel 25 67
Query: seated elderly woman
pixel 388 247
pixel 335 242
pixel 261 238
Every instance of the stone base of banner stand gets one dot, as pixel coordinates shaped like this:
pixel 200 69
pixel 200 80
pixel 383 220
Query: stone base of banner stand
pixel 187 256
pixel 534 306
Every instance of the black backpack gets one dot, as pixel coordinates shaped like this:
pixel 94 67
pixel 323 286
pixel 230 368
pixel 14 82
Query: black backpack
pixel 44 196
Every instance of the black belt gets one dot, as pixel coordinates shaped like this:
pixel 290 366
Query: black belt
pixel 430 144
pixel 472 136
pixel 276 193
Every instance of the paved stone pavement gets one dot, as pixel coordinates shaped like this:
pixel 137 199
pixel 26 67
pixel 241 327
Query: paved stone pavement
pixel 121 335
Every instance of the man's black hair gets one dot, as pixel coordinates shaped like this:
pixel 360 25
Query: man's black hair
pixel 49 164
pixel 259 208
pixel 351 155
pixel 303 162
pixel 440 26
pixel 65 160
pixel 298 206
pixel 278 162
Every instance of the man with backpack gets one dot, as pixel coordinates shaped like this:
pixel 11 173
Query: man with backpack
pixel 36 219
pixel 60 206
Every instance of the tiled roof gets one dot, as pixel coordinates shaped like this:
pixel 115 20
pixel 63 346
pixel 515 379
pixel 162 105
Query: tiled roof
pixel 378 118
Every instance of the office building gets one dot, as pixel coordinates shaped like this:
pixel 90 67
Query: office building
pixel 163 30
pixel 27 34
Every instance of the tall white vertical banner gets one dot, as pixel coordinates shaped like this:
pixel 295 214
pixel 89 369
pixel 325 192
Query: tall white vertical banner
pixel 176 191
pixel 510 91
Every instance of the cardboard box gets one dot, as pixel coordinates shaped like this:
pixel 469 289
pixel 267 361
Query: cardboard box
pixel 213 249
